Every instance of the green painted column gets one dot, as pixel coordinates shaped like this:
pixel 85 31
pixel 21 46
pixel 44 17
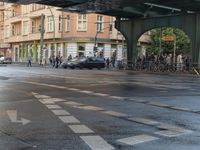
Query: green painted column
pixel 127 29
pixel 133 29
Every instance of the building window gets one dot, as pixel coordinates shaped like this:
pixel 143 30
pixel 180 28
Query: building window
pixel 35 7
pixel 50 24
pixel 16 29
pixel 25 9
pixel 60 24
pixel 111 24
pixel 82 22
pixel 67 23
pixel 99 23
pixel 7 31
pixel 35 26
pixel 25 28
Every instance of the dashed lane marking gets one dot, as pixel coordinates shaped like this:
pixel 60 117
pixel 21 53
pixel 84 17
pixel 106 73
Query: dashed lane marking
pixel 181 108
pixel 73 103
pixel 97 143
pixel 99 94
pixel 60 112
pixel 168 133
pixel 137 139
pixel 80 129
pixel 93 108
pixel 113 97
pixel 143 121
pixel 173 128
pixel 114 113
pixel 159 104
pixel 69 119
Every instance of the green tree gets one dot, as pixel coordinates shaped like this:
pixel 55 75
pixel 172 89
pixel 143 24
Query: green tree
pixel 183 43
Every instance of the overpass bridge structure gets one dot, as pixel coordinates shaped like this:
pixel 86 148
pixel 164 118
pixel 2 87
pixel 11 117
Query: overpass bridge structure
pixel 134 17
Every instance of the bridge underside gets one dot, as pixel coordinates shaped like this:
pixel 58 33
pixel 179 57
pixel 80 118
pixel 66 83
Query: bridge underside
pixel 142 15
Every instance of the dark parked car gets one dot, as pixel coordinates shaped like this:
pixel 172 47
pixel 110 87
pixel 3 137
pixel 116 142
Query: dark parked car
pixel 70 64
pixel 85 62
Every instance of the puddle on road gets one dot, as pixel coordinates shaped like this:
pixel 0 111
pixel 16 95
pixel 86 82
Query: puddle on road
pixel 3 78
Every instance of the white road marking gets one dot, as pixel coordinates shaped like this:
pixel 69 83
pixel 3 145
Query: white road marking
pixel 140 100
pixel 53 106
pixel 69 119
pixel 73 103
pixel 169 133
pixel 93 108
pixel 46 101
pixel 12 114
pixel 73 89
pixel 80 129
pixel 117 97
pixel 114 113
pixel 87 92
pixel 42 96
pixel 159 104
pixel 144 121
pixel 96 143
pixel 99 94
pixel 60 112
pixel 57 99
pixel 34 93
pixel 181 108
pixel 173 128
pixel 137 139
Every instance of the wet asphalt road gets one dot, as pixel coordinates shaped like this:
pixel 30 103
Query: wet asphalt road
pixel 57 109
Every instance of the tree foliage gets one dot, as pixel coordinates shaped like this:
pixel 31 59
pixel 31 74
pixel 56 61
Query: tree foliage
pixel 183 43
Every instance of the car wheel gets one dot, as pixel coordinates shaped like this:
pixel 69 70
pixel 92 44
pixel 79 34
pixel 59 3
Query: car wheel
pixel 80 67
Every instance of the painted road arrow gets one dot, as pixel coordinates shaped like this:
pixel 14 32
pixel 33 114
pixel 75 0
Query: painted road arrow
pixel 13 117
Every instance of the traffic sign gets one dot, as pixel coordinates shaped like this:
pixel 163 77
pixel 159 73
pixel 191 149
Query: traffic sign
pixel 168 38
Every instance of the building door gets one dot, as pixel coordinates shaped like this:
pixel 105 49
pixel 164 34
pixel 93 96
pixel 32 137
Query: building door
pixel 81 49
pixel 16 54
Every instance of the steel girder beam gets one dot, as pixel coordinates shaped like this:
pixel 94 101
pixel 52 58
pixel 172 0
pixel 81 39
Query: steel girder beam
pixel 133 29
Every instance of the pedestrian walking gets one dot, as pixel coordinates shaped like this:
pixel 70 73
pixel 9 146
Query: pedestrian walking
pixel 29 60
pixel 107 63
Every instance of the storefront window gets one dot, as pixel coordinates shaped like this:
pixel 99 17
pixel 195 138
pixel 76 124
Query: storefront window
pixel 81 50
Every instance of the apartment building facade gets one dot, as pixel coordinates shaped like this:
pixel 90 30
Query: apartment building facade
pixel 65 33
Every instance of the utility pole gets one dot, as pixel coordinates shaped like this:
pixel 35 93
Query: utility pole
pixel 54 31
pixel 41 37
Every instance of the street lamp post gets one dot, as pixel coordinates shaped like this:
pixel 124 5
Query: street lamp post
pixel 95 39
pixel 54 34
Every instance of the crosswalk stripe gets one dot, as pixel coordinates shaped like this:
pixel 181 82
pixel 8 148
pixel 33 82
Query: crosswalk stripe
pixel 60 112
pixel 69 119
pixel 93 108
pixel 137 139
pixel 53 107
pixel 42 96
pixel 96 143
pixel 46 101
pixel 80 129
pixel 73 103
